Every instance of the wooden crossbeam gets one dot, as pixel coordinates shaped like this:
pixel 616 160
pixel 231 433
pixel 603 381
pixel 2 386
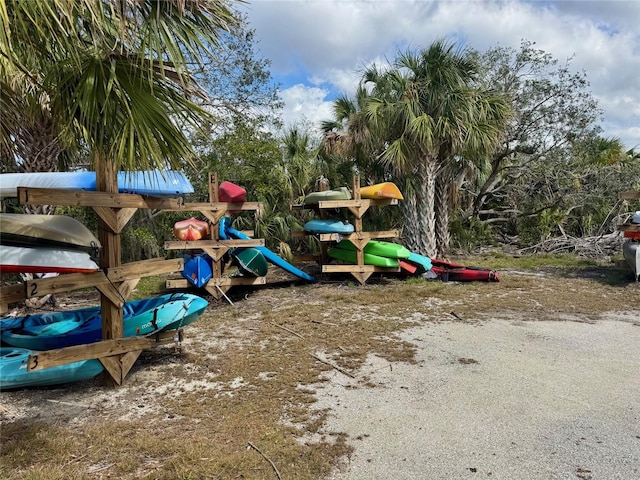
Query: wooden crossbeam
pixel 629 227
pixel 216 206
pixel 195 244
pixel 631 195
pixel 81 198
pixel 101 349
pixel 103 279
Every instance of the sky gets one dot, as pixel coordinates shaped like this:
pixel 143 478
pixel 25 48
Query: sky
pixel 317 48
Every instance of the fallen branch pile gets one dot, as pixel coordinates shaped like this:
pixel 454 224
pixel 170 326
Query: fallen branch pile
pixel 591 247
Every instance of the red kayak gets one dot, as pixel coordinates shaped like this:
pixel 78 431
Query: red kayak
pixel 191 229
pixel 231 193
pixel 448 271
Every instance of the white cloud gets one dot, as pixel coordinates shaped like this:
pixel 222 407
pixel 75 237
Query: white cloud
pixel 331 41
pixel 305 105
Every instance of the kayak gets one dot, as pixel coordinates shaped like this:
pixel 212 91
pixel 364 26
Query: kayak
pixel 422 263
pixel 340 193
pixel 227 232
pixel 52 330
pixel 191 229
pixel 159 183
pixel 631 253
pixel 350 256
pixel 24 230
pixel 14 374
pixel 328 226
pixel 379 248
pixel 197 270
pixel 251 262
pixel 448 271
pixel 18 259
pixel 231 193
pixel 381 190
pixel 407 268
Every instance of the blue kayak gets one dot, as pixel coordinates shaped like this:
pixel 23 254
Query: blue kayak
pixel 226 232
pixel 197 270
pixel 159 183
pixel 51 330
pixel 321 225
pixel 13 370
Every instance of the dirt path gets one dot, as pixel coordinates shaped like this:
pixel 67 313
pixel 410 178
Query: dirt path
pixel 503 399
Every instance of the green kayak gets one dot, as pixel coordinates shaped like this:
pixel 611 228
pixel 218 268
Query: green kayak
pixel 376 247
pixel 340 193
pixel 349 256
pixel 251 262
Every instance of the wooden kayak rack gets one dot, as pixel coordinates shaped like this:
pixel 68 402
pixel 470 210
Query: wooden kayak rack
pixel 358 207
pixel 629 227
pixel 114 281
pixel 214 210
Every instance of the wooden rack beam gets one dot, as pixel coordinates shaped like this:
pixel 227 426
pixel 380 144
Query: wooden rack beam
pixel 80 198
pixel 632 195
pixel 74 281
pixel 117 355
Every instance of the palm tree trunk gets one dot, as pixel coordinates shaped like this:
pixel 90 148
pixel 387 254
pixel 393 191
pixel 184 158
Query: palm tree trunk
pixel 442 215
pixel 423 241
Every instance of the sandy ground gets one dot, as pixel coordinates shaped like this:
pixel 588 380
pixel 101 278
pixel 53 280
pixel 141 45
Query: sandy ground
pixel 502 399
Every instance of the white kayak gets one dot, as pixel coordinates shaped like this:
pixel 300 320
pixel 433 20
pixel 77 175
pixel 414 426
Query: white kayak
pixel 631 252
pixel 18 259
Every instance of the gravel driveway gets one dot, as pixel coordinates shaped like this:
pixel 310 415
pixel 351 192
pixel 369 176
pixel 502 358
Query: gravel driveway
pixel 502 399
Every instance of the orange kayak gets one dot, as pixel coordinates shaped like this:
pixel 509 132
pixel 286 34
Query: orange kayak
pixel 381 190
pixel 191 229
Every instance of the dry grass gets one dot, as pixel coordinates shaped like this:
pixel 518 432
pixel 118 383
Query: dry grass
pixel 238 394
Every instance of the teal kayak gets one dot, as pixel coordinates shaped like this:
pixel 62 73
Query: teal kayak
pixel 423 263
pixel 376 247
pixel 52 330
pixel 328 225
pixel 13 370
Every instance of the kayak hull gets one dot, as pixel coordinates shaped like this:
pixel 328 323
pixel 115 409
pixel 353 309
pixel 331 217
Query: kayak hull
pixel 350 256
pixel 251 262
pixel 46 231
pixel 448 271
pixel 14 374
pixel 191 229
pixel 328 226
pixel 198 271
pixel 161 183
pixel 381 190
pixel 340 193
pixel 231 193
pixel 60 329
pixel 19 259
pixel 379 248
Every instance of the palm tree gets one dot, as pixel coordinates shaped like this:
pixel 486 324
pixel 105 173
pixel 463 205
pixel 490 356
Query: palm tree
pixel 428 110
pixel 116 72
pixel 118 75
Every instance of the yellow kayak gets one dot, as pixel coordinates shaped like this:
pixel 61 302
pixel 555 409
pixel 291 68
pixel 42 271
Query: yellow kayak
pixel 381 190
